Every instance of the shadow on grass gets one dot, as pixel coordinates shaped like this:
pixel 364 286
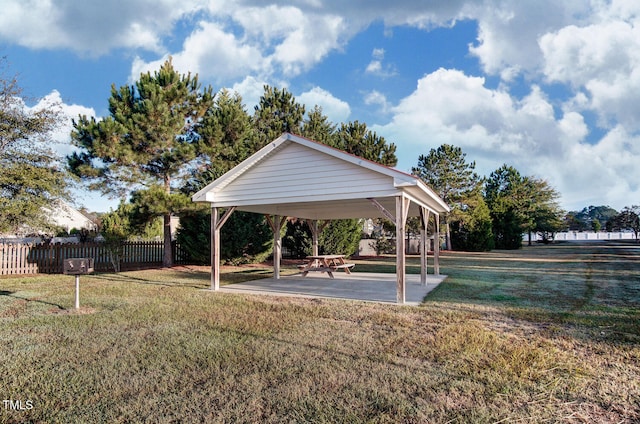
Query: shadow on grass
pixel 180 277
pixel 26 299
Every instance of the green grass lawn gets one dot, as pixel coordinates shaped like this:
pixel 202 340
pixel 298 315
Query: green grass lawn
pixel 545 334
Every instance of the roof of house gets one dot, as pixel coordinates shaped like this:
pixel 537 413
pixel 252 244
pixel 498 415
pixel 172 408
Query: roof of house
pixel 66 216
pixel 298 177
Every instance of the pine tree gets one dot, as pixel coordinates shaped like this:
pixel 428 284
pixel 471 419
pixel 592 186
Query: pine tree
pixel 446 171
pixel 627 219
pixel 150 138
pixel 317 127
pixel 505 196
pixel 277 112
pixel 355 138
pixel 229 124
pixel 520 204
pixel 471 230
pixel 245 236
pixel 543 215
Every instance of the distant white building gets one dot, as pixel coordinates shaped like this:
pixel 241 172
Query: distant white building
pixel 66 216
pixel 60 214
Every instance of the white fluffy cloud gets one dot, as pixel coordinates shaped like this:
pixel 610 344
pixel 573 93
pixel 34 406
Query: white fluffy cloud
pixel 602 173
pixel 493 128
pixel 588 48
pixel 450 107
pixel 61 135
pixel 509 31
pixel 263 42
pixel 591 47
pixel 91 30
pixel 335 109
pixel 601 60
pixel 212 53
pixel 298 40
pixel 377 67
pixel 378 99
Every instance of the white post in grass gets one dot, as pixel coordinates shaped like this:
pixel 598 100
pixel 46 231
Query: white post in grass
pixel 77 292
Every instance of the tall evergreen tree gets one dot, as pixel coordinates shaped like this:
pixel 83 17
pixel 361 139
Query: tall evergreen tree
pixel 341 235
pixel 355 138
pixel 505 194
pixel 627 219
pixel 297 238
pixel 230 127
pixel 446 171
pixel 32 175
pixel 519 205
pixel 150 139
pixel 277 112
pixel 317 126
pixel 245 236
pixel 544 215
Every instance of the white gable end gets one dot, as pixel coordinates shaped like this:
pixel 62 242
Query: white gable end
pixel 294 176
pixel 298 173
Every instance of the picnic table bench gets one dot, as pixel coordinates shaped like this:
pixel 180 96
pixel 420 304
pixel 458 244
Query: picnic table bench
pixel 325 263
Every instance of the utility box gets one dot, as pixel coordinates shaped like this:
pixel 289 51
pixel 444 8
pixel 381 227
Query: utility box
pixel 78 266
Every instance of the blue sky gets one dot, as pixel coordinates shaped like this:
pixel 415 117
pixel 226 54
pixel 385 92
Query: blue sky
pixel 545 86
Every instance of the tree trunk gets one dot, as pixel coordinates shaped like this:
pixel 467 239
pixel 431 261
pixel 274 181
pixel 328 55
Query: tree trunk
pixel 167 259
pixel 114 257
pixel 448 230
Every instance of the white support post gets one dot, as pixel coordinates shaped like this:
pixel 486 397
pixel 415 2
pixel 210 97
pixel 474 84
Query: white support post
pixel 216 224
pixel 316 230
pixel 314 234
pixel 277 245
pixel 402 209
pixel 436 246
pixel 424 225
pixel 215 250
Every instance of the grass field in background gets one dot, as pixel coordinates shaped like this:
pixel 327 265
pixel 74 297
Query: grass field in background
pixel 544 334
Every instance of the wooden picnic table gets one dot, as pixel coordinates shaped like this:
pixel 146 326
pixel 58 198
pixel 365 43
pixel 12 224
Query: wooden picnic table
pixel 325 263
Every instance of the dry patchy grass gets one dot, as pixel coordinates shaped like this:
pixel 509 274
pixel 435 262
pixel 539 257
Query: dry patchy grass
pixel 547 334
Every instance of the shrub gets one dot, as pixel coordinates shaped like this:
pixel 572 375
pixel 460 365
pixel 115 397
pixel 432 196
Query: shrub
pixel 244 238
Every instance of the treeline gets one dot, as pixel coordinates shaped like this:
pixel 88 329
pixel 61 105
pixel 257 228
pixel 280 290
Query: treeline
pixel 487 212
pixel 166 137
pixel 599 218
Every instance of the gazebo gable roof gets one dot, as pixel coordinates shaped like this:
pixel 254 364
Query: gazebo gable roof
pixel 294 169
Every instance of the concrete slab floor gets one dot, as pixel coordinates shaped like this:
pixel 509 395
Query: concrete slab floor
pixel 365 286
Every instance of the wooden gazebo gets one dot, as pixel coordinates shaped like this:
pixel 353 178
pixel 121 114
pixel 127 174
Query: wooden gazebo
pixel 297 177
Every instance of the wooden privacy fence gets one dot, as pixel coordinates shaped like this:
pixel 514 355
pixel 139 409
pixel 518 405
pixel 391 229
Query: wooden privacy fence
pixel 18 259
